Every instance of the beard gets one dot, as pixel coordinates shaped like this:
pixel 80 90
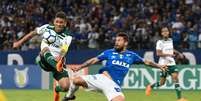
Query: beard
pixel 118 49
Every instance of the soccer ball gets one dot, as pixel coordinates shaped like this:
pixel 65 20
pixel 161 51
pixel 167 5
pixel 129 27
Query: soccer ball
pixel 49 36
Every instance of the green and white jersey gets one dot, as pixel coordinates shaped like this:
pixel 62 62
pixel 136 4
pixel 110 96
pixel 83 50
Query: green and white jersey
pixel 166 46
pixel 61 39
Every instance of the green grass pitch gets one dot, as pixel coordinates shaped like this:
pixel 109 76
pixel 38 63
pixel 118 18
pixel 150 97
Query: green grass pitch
pixel 131 95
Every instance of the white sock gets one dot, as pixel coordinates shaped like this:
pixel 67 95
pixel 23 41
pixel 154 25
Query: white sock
pixel 72 89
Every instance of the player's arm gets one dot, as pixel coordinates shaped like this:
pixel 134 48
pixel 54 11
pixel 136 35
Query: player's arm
pixel 89 62
pixel 137 58
pixel 37 31
pixel 155 65
pixel 86 64
pixel 24 39
pixel 94 60
pixel 177 52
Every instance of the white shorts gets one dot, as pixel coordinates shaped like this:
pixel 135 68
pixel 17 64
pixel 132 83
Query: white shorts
pixel 100 82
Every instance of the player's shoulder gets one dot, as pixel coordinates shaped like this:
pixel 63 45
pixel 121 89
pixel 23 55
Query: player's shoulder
pixel 170 39
pixel 159 41
pixel 109 51
pixel 162 40
pixel 131 52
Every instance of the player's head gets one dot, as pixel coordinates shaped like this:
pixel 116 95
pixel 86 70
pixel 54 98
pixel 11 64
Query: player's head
pixel 165 32
pixel 121 41
pixel 60 21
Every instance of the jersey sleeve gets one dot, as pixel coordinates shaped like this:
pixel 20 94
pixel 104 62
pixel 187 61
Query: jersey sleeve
pixel 159 45
pixel 137 58
pixel 40 30
pixel 103 56
pixel 67 40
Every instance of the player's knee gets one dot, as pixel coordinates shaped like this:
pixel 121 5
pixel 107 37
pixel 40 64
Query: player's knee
pixel 64 84
pixel 64 87
pixel 76 80
pixel 79 82
pixel 119 98
pixel 175 80
pixel 162 83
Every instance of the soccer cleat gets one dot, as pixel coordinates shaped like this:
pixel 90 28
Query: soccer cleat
pixel 148 90
pixel 56 94
pixel 67 98
pixel 182 99
pixel 60 65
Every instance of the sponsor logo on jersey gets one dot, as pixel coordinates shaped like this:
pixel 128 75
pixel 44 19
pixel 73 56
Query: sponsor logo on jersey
pixel 121 63
pixel 54 45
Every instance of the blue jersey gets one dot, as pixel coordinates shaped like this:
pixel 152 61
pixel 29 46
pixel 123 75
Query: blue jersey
pixel 118 64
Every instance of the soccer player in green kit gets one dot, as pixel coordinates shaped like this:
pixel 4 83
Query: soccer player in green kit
pixel 166 52
pixel 51 56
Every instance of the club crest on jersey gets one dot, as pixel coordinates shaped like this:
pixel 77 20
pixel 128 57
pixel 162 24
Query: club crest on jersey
pixel 120 63
pixel 114 53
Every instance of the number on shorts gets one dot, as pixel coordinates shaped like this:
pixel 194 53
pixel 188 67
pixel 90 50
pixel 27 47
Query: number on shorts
pixel 117 89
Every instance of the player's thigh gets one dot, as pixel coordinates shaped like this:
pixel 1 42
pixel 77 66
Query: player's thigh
pixel 79 81
pixel 173 71
pixel 111 90
pixel 118 98
pixel 100 82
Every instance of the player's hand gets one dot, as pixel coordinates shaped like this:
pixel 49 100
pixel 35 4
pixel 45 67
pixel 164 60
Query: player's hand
pixel 164 67
pixel 75 68
pixel 16 44
pixel 171 55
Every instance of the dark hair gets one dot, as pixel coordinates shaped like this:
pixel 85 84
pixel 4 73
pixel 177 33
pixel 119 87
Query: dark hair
pixel 61 14
pixel 124 35
pixel 169 30
pixel 163 28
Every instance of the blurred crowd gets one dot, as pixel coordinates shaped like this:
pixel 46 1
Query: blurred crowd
pixel 94 23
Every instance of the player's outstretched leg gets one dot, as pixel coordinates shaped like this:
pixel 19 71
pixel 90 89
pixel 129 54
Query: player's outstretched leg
pixel 76 81
pixel 70 95
pixel 47 57
pixel 155 85
pixel 148 90
pixel 48 62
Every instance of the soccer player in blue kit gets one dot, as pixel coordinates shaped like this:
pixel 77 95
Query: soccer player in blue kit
pixel 111 76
